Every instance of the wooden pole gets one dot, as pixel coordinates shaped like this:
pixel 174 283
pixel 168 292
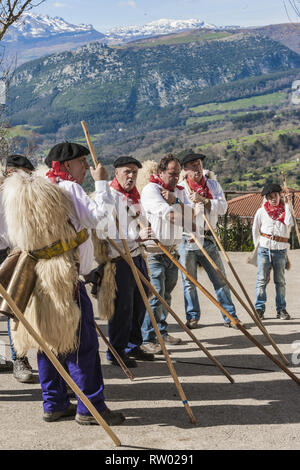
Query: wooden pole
pixel 166 305
pixel 19 315
pixel 157 332
pixel 90 145
pixel 254 317
pixel 285 188
pixel 231 267
pixel 114 352
pixel 144 296
pixel 227 314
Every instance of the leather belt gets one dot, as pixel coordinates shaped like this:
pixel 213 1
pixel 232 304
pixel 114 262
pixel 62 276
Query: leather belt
pixel 275 238
pixel 61 246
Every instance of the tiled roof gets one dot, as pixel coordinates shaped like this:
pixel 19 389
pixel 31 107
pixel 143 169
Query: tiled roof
pixel 248 204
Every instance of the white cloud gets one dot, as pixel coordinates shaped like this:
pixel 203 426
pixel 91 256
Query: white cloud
pixel 59 5
pixel 128 3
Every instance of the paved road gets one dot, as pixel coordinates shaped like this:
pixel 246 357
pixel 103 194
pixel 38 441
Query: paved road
pixel 261 410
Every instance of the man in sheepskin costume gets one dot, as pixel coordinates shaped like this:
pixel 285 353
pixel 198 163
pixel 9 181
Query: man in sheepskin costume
pixel 207 195
pixel 49 217
pixel 124 328
pixel 22 370
pixel 166 207
pixel 271 231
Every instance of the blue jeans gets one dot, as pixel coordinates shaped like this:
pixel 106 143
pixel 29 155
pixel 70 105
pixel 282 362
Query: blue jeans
pixel 12 349
pixel 190 259
pixel 164 275
pixel 267 259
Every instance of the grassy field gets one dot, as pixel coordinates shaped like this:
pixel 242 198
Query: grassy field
pixel 271 99
pixel 184 38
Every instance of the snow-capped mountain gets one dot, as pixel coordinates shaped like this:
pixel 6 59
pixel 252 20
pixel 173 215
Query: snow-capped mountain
pixel 154 28
pixel 31 26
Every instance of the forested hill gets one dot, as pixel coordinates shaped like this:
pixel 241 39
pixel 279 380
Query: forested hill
pixel 111 86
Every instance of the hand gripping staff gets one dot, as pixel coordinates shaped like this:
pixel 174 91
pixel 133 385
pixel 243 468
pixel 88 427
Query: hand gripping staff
pixel 144 296
pixel 20 317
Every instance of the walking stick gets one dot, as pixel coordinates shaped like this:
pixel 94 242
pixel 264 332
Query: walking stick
pixel 291 206
pixel 145 298
pixel 227 314
pixel 19 315
pixel 114 352
pixel 231 267
pixel 254 318
pixel 166 305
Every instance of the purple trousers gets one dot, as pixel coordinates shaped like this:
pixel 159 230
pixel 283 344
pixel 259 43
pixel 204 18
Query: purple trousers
pixel 83 364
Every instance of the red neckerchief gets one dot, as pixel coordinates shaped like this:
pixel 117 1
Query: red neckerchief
pixel 133 195
pixel 157 180
pixel 276 213
pixel 56 174
pixel 200 188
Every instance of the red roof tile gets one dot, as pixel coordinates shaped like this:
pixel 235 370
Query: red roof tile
pixel 248 204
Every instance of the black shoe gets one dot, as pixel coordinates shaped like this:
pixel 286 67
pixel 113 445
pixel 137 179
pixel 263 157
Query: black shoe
pixel 283 315
pixel 5 366
pixel 141 355
pixel 22 370
pixel 260 313
pixel 130 363
pixel 55 415
pixel 113 418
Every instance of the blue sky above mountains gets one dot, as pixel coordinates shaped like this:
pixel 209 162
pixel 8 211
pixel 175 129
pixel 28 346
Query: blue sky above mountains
pixel 106 14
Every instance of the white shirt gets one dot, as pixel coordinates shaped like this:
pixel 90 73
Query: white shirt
pixel 218 208
pixel 127 213
pixel 156 210
pixel 89 214
pixel 263 223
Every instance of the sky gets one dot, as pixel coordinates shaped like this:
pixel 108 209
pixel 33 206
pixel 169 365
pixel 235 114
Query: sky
pixel 106 14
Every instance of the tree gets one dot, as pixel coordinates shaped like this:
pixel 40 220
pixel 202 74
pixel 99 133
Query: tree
pixel 11 11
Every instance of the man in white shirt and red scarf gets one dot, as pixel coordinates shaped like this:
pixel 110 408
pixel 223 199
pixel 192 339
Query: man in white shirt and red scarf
pixel 271 230
pixel 207 195
pixel 124 329
pixel 167 209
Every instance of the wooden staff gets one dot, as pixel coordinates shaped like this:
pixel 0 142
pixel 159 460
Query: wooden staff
pixel 166 305
pixel 231 267
pixel 285 188
pixel 91 147
pixel 158 334
pixel 145 298
pixel 115 354
pixel 43 346
pixel 254 317
pixel 227 314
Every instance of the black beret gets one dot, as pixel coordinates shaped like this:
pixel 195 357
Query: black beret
pixel 190 157
pixel 123 161
pixel 271 188
pixel 64 152
pixel 19 161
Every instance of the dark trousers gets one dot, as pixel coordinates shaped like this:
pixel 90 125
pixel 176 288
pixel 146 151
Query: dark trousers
pixel 124 329
pixel 83 364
